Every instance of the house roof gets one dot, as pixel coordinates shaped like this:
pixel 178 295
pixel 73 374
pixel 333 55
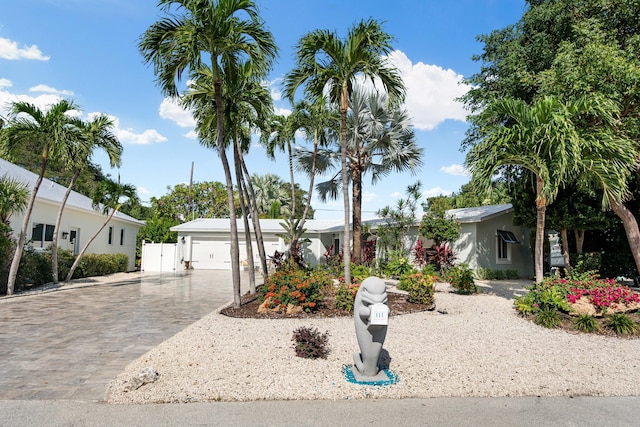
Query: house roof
pixel 267 225
pixel 51 192
pixel 479 213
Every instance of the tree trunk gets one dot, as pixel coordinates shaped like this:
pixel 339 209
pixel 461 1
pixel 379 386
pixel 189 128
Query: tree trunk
pixel 579 235
pixel 356 182
pixel 630 227
pixel 292 214
pixel 56 230
pixel 541 206
pixel 245 218
pixel 86 246
pixel 565 250
pixel 346 255
pixel 310 192
pixel 233 225
pixel 256 219
pixel 17 255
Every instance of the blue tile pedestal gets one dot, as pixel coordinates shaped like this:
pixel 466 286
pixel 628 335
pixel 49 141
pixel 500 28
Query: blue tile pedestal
pixel 384 378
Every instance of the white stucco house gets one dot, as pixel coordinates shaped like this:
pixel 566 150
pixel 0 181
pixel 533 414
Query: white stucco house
pixel 488 239
pixel 79 220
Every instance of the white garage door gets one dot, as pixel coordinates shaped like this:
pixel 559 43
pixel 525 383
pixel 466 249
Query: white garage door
pixel 214 254
pixel 210 254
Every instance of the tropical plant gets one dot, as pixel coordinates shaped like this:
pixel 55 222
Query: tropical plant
pixel 548 317
pixel 621 324
pixel 216 33
pixel 442 257
pixel 543 138
pixel 310 343
pixel 586 323
pixel 324 61
pixel 97 133
pixel 421 287
pixel 346 295
pixel 14 196
pixel 49 134
pixel 107 198
pixel 380 140
pixel 461 279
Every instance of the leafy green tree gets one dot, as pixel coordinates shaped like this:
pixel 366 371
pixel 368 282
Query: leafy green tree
pixel 14 196
pixel 184 202
pixel 436 224
pixel 213 33
pixel 396 222
pixel 94 134
pixel 542 138
pixel 324 61
pixel 50 135
pixel 108 198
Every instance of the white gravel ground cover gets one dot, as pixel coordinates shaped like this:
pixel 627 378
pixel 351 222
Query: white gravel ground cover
pixel 480 347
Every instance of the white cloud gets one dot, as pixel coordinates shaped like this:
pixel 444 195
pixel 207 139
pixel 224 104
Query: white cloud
pixel 192 134
pixel 128 136
pixel 48 89
pixel 431 92
pixel 43 101
pixel 396 195
pixel 436 191
pixel 282 111
pixel 368 196
pixel 455 169
pixel 5 83
pixel 10 50
pixel 143 191
pixel 274 88
pixel 171 110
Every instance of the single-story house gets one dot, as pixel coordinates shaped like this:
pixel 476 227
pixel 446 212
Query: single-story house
pixel 488 239
pixel 79 222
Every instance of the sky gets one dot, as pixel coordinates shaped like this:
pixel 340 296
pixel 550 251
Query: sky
pixel 86 51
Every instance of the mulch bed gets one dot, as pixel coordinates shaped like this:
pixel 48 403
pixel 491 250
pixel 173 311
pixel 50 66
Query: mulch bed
pixel 397 303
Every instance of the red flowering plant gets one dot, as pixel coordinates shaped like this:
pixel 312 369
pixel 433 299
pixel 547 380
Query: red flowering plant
pixel 555 293
pixel 294 287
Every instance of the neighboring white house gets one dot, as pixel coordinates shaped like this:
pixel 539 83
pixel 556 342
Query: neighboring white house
pixel 79 220
pixel 488 239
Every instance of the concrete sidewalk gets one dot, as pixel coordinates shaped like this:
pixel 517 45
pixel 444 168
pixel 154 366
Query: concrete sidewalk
pixel 494 412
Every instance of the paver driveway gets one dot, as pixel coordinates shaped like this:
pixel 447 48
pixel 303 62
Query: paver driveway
pixel 70 343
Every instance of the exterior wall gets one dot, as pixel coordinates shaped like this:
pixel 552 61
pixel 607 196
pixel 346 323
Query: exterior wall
pixel 486 247
pixel 465 247
pixel 86 223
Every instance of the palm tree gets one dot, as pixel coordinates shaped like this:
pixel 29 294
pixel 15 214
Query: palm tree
pixel 94 134
pixel 270 194
pixel 51 133
pixel 380 140
pixel 543 138
pixel 108 197
pixel 217 33
pixel 14 196
pixel 324 61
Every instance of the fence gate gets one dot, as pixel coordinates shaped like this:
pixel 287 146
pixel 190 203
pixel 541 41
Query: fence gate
pixel 158 257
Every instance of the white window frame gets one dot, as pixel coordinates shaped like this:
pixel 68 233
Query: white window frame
pixel 43 243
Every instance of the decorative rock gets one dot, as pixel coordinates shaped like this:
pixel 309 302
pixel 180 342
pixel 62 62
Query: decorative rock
pixel 146 376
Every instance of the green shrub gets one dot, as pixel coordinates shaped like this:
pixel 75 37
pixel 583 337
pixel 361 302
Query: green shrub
pixel 498 274
pixel 484 273
pixel 511 274
pixel 549 318
pixel 585 323
pixel 420 287
pixel 588 262
pixel 34 269
pixel 296 287
pixel 310 344
pixel 430 270
pixel 397 267
pixel 461 278
pixel 621 324
pixel 346 295
pixel 91 265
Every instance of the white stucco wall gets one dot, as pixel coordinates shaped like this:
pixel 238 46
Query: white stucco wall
pixel 86 223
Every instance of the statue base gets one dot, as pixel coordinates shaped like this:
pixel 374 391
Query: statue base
pixel 383 378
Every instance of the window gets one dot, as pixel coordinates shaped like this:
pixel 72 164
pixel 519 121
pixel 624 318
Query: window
pixel 110 235
pixel 42 235
pixel 121 236
pixel 504 240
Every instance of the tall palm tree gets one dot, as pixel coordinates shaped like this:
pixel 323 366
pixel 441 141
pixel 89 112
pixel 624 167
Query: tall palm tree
pixel 269 192
pixel 217 33
pixel 94 134
pixel 380 141
pixel 543 138
pixel 324 61
pixel 108 197
pixel 249 103
pixel 51 133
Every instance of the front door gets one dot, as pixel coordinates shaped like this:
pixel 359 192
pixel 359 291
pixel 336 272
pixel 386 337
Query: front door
pixel 74 241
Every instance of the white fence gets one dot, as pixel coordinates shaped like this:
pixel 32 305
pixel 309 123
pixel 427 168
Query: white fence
pixel 158 257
